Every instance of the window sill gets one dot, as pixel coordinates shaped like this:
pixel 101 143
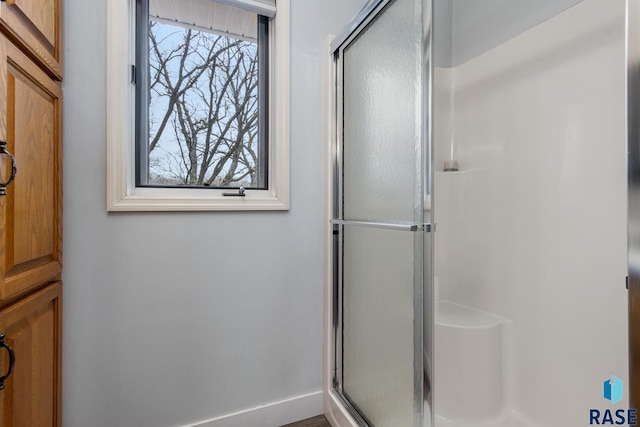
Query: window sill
pixel 162 199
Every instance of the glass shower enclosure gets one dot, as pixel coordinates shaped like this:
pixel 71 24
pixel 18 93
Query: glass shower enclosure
pixel 380 226
pixel 479 214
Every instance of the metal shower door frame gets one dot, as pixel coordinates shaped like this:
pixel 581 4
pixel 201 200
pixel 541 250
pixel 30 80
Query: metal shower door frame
pixel 423 282
pixel 633 196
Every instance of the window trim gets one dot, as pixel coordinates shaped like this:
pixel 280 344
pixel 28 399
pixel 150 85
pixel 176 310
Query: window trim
pixel 122 193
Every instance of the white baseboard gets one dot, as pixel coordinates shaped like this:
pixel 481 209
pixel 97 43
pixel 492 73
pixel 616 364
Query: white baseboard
pixel 272 415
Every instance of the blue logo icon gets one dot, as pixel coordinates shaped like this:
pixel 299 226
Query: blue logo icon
pixel 613 389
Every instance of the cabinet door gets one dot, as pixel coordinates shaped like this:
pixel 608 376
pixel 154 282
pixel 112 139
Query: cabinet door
pixel 34 25
pixel 30 213
pixel 32 329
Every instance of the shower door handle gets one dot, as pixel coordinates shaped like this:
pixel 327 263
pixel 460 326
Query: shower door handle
pixel 385 225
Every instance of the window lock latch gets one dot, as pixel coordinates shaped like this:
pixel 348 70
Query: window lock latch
pixel 240 193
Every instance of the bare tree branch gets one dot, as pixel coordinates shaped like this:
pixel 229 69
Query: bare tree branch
pixel 204 89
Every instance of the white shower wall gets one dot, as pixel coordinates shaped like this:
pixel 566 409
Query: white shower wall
pixel 533 226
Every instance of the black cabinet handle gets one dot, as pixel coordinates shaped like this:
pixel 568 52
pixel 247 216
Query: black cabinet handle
pixel 14 168
pixel 12 360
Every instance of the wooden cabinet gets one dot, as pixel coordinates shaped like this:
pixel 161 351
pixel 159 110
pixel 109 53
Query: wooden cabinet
pixel 34 26
pixel 32 232
pixel 31 212
pixel 31 393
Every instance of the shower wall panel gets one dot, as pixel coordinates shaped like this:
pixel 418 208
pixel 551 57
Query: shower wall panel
pixel 533 226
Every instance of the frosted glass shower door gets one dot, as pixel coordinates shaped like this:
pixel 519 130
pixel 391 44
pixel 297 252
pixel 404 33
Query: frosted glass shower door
pixel 380 216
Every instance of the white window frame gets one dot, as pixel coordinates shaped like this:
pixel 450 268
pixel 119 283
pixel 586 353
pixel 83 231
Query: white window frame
pixel 122 193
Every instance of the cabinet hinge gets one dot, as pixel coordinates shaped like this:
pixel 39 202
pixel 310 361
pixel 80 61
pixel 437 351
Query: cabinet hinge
pixel 133 70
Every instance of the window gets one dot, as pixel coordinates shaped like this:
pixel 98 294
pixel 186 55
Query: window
pixel 198 109
pixel 201 95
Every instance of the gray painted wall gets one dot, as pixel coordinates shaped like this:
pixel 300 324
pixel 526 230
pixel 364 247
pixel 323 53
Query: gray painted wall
pixel 465 29
pixel 171 318
pixel 443 33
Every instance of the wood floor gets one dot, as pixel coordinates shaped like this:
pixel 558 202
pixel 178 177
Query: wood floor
pixel 319 421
